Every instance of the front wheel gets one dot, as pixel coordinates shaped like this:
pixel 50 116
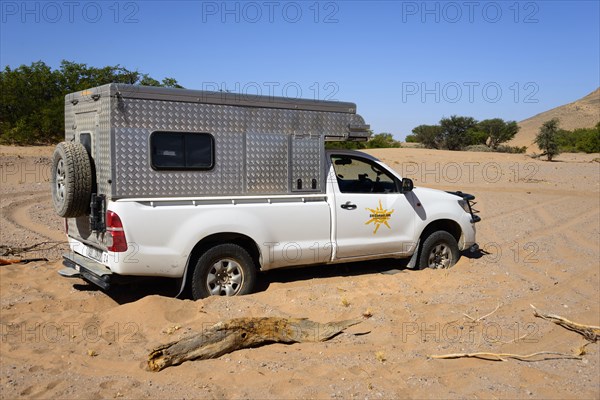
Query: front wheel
pixel 439 250
pixel 224 270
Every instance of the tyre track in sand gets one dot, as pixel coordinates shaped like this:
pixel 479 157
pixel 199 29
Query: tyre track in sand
pixel 18 212
pixel 530 255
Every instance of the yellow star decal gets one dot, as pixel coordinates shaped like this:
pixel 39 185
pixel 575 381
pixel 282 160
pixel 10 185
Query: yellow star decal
pixel 379 216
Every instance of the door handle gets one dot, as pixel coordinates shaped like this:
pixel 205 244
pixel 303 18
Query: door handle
pixel 348 206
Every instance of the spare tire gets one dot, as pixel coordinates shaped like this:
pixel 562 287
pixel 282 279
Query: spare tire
pixel 71 180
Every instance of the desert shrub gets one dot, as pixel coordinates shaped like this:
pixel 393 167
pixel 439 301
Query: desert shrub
pixel 479 148
pixel 511 149
pixel 499 149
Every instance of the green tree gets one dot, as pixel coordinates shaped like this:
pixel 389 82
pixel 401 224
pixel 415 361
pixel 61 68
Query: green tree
pixel 547 139
pixel 171 82
pixel 382 140
pixel 411 139
pixel 32 97
pixel 589 139
pixel 455 131
pixel 475 137
pixel 585 140
pixel 149 81
pixel 429 136
pixel 497 131
pixel 346 145
pixel 29 104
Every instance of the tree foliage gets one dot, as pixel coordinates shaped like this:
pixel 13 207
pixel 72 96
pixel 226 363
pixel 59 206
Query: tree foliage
pixel 429 136
pixel 32 97
pixel 380 140
pixel 457 133
pixel 497 131
pixel 345 145
pixel 585 140
pixel 547 139
pixel 411 139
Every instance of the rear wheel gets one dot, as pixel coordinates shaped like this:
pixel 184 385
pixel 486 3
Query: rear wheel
pixel 224 270
pixel 439 250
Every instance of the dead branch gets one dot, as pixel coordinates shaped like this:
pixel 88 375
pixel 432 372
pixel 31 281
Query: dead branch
pixel 504 356
pixel 13 251
pixel 591 333
pixel 4 261
pixel 484 316
pixel 241 333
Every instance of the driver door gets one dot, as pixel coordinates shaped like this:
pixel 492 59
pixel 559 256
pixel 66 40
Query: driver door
pixel 372 216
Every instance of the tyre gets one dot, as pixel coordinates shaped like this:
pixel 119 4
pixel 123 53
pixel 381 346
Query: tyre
pixel 223 270
pixel 71 180
pixel 439 250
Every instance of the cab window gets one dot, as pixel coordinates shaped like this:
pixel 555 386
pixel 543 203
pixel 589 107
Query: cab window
pixel 357 175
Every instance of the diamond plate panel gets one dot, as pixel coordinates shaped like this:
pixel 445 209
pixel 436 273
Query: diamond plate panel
pixel 136 178
pixel 135 120
pixel 251 147
pixel 267 163
pixel 103 149
pixel 94 117
pixel 307 156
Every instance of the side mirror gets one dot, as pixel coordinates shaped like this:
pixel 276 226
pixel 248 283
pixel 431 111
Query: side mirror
pixel 407 185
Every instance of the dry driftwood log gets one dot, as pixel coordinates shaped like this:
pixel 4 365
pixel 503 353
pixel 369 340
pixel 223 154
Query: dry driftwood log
pixel 241 333
pixel 591 333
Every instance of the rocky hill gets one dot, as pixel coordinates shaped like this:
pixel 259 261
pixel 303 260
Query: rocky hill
pixel 583 113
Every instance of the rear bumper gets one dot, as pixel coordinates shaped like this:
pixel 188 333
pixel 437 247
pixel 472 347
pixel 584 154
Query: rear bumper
pixel 85 268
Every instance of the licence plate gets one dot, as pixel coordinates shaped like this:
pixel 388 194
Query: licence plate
pixel 93 253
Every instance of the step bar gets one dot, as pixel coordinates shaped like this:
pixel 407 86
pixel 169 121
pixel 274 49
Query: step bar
pixel 85 268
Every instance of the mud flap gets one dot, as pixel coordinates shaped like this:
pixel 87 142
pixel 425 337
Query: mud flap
pixel 412 263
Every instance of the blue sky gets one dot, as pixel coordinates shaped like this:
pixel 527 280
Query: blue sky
pixel 404 63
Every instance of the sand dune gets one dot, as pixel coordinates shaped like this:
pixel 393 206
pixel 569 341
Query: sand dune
pixel 540 224
pixel 583 113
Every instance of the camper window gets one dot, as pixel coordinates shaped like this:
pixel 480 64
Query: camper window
pixel 182 150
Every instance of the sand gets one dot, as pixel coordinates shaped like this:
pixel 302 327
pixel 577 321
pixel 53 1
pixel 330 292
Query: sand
pixel 63 338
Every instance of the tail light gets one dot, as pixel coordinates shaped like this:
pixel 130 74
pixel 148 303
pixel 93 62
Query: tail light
pixel 114 227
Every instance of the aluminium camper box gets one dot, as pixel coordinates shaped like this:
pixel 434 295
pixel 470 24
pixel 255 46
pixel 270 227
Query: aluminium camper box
pixel 156 143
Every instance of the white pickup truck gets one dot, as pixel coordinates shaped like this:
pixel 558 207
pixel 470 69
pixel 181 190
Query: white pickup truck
pixel 327 207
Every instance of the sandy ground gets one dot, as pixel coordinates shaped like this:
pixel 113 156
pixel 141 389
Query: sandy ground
pixel 63 338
